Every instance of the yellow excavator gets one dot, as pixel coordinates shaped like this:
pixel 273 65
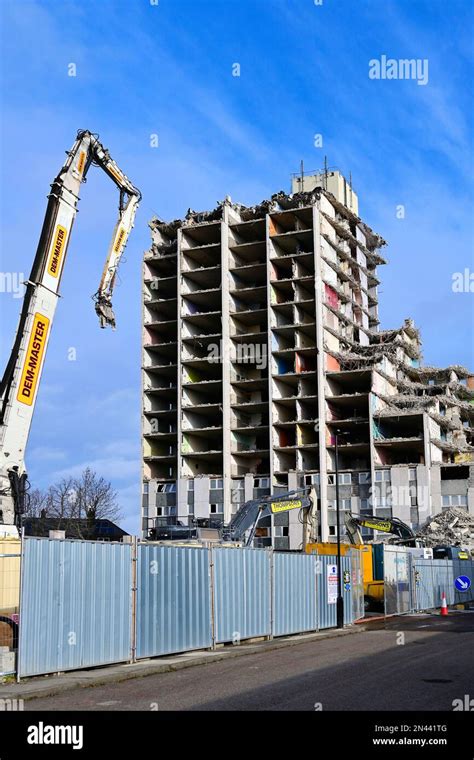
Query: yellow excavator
pixel 243 525
pixel 373 583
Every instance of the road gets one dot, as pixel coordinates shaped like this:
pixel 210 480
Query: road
pixel 419 663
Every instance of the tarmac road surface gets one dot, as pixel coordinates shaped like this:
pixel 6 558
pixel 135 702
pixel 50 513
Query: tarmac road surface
pixel 419 663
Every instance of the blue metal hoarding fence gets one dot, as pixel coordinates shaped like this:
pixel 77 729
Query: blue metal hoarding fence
pixel 464 567
pixel 413 583
pixel 422 576
pixel 357 585
pixel 294 593
pixel 75 606
pixel 173 612
pixel 242 598
pixel 83 605
pixel 399 597
pixel 327 579
pixel 433 576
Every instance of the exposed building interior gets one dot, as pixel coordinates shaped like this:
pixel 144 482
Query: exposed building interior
pixel 261 344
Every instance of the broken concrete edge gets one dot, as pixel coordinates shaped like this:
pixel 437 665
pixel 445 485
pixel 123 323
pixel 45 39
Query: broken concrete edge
pixel 39 686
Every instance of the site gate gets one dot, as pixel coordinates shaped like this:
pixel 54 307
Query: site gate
pixel 414 584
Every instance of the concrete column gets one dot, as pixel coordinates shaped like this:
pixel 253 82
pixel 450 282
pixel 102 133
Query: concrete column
pixel 424 485
pixel 248 486
pixel 435 489
pixel 201 497
pixel 179 438
pixel 295 528
pixel 400 493
pixel 355 505
pixel 151 501
pixel 182 509
pixel 371 440
pixel 321 374
pixel 426 440
pixel 226 367
pixel 470 500
pixel 470 483
pixel 269 349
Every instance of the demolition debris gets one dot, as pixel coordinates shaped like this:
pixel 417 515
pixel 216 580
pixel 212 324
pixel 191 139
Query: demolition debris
pixel 451 527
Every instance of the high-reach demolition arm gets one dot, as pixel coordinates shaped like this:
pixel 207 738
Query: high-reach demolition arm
pixel 19 385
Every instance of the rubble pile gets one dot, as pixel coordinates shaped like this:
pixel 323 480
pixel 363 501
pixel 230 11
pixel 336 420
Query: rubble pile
pixel 451 527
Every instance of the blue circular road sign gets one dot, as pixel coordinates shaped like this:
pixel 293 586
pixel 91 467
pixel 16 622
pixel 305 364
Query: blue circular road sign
pixel 463 583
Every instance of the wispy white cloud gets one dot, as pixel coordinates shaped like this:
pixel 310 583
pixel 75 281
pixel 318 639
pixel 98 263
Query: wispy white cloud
pixel 111 468
pixel 46 454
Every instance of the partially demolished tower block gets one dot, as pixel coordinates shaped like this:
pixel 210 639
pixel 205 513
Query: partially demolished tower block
pixel 261 341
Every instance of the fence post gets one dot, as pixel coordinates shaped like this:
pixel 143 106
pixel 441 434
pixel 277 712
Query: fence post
pixel 20 591
pixel 414 586
pixel 212 596
pixel 396 591
pixel 272 587
pixel 450 596
pixel 133 598
pixel 317 572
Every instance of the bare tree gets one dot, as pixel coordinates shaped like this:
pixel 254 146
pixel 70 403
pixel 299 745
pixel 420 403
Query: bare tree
pixel 60 500
pixel 36 503
pixel 95 497
pixel 77 503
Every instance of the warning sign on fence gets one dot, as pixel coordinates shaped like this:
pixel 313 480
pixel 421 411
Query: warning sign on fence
pixel 332 584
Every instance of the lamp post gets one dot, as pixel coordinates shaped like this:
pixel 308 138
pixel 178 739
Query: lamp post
pixel 340 598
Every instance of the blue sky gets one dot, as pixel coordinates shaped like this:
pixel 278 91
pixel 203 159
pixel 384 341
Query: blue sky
pixel 167 69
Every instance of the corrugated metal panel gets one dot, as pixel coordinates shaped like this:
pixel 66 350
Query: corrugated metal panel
pixel 294 593
pixel 76 598
pixel 357 585
pixel 463 567
pixel 173 600
pixel 433 576
pixel 75 605
pixel 241 593
pixel 327 615
pixel 423 585
pixel 399 596
pixel 442 580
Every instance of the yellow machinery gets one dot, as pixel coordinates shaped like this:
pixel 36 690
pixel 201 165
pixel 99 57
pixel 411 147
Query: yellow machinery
pixel 10 549
pixel 373 590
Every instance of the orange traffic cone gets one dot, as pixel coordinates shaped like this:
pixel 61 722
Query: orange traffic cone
pixel 444 606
